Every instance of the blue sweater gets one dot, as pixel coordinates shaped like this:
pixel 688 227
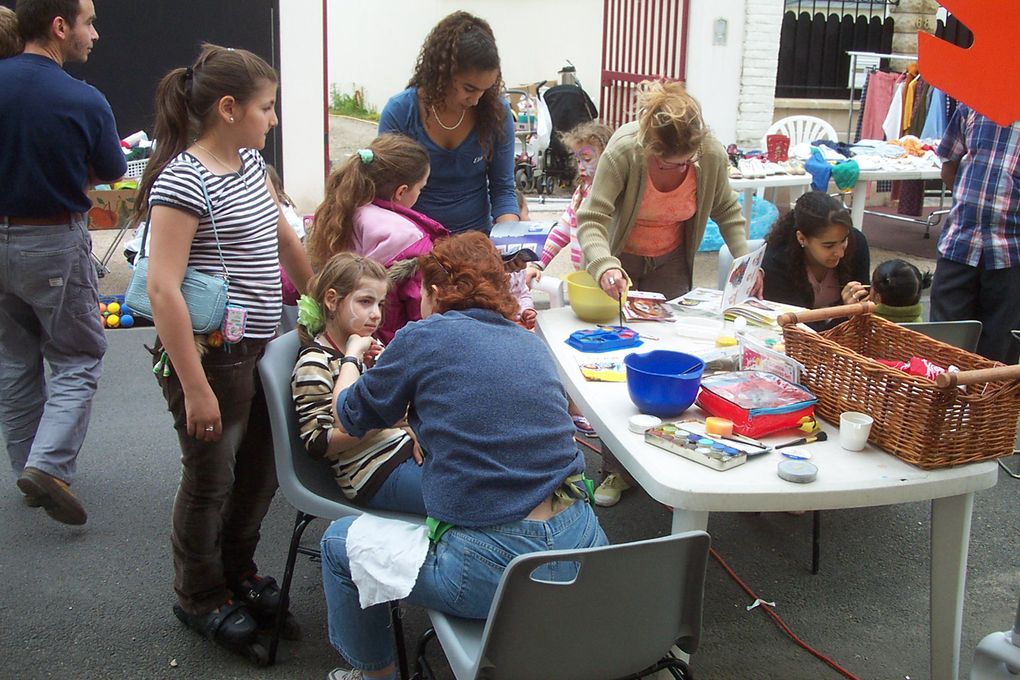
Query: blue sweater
pixel 54 130
pixel 463 192
pixel 488 409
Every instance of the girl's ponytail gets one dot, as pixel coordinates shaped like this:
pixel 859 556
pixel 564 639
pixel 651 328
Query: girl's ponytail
pixel 347 189
pixel 172 130
pixel 389 162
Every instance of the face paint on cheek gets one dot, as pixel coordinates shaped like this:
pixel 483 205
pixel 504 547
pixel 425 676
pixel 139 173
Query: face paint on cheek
pixel 587 161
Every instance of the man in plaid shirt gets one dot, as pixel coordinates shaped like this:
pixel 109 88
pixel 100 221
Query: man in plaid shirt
pixel 977 275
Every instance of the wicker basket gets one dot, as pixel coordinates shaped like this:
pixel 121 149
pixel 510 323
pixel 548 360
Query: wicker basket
pixel 928 424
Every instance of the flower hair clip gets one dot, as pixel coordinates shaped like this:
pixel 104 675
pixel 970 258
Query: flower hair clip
pixel 366 155
pixel 310 314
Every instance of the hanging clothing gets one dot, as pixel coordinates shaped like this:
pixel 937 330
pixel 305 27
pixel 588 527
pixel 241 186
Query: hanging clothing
pixel 881 86
pixel 937 119
pixel 894 117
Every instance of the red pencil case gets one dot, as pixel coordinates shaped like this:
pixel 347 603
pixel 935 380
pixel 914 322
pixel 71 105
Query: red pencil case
pixel 757 402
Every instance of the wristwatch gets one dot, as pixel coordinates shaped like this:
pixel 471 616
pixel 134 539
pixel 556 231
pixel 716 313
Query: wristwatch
pixel 358 363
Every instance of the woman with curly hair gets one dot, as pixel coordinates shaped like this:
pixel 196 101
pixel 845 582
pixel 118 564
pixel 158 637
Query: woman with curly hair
pixel 502 474
pixel 453 107
pixel 658 181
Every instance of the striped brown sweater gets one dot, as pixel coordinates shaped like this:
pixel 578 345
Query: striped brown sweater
pixel 361 469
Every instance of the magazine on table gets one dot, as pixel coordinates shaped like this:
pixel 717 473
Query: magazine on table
pixel 646 306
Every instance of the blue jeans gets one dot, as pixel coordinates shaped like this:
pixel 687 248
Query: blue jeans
pixel 401 492
pixel 459 576
pixel 49 310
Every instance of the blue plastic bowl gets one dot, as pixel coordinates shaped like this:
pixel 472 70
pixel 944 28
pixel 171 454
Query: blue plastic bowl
pixel 663 383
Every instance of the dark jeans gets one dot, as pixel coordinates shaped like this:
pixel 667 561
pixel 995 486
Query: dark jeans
pixel 226 486
pixel 960 292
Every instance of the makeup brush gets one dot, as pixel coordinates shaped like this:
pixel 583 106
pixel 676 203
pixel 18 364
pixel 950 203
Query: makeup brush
pixel 820 437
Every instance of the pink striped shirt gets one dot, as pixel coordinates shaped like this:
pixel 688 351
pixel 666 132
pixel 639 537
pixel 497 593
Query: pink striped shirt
pixel 565 230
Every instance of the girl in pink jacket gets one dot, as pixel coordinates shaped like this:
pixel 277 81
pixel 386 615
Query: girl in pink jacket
pixel 367 210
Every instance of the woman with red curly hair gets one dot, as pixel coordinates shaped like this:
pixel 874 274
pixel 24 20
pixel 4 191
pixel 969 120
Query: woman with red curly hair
pixel 502 474
pixel 453 107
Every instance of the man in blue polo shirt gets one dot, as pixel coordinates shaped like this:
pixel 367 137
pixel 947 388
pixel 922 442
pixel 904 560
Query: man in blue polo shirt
pixel 57 136
pixel 977 275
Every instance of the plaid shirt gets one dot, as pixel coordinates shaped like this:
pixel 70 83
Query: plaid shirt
pixel 983 227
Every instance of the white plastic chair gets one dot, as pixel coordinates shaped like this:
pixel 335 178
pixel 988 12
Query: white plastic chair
pixel 801 129
pixel 726 259
pixel 572 631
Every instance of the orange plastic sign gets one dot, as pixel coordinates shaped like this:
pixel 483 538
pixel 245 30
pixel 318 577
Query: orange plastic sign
pixel 982 76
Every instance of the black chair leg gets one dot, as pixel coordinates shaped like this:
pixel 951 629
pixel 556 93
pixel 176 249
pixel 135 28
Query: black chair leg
pixel 301 523
pixel 398 639
pixel 816 534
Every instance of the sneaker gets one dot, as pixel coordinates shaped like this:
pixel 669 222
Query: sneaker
pixel 582 425
pixel 608 493
pixel 53 494
pixel 345 674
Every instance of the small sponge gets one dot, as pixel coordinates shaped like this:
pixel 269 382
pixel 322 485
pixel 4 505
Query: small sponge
pixel 719 426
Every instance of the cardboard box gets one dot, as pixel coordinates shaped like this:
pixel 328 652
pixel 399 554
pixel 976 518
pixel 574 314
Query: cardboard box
pixel 110 208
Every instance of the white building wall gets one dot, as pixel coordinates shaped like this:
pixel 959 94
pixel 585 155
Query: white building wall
pixel 760 50
pixel 302 100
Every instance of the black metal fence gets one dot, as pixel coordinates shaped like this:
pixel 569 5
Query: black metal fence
pixel 813 61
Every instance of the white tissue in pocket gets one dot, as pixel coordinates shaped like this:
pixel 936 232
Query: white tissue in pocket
pixel 385 557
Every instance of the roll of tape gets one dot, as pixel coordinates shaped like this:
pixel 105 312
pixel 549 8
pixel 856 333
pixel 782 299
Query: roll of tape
pixel 641 422
pixel 798 471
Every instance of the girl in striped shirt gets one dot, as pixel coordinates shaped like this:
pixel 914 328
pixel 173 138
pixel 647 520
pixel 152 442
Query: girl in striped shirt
pixel 336 321
pixel 210 207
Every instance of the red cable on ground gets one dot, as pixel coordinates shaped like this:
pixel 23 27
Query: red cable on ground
pixel 764 607
pixel 779 621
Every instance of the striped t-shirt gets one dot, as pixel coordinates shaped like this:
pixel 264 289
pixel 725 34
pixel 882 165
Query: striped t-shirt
pixel 246 222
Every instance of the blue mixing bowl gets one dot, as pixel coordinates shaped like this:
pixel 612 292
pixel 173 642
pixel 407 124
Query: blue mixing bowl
pixel 663 383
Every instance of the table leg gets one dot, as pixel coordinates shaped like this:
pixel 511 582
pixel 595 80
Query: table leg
pixel 689 520
pixel 860 199
pixel 748 203
pixel 950 538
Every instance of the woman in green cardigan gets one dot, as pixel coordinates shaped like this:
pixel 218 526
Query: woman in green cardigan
pixel 657 183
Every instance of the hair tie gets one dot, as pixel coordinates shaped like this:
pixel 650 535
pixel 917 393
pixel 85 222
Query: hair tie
pixel 189 73
pixel 366 155
pixel 310 314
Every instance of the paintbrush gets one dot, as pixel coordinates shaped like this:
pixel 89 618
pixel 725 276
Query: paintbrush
pixel 621 309
pixel 820 437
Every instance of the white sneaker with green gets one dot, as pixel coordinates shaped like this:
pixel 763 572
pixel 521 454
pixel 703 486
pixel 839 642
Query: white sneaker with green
pixel 609 490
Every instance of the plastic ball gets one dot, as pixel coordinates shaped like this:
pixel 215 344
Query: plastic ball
pixel 106 313
pixel 113 307
pixel 125 310
pixel 112 321
pixel 102 307
pixel 215 339
pixel 126 320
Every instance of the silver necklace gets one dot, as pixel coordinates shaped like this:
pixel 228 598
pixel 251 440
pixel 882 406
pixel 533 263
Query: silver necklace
pixel 215 157
pixel 442 125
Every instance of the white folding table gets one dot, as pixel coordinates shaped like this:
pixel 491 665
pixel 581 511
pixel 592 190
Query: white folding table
pixel 845 480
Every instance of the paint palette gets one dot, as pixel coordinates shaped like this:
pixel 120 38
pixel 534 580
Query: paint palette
pixel 684 442
pixel 604 339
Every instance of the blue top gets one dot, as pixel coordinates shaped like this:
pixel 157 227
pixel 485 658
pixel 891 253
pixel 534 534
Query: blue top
pixel 55 131
pixel 463 192
pixel 487 407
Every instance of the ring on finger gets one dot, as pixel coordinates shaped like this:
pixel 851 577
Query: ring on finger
pixel 210 428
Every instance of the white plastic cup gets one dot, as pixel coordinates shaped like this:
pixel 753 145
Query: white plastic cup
pixel 854 429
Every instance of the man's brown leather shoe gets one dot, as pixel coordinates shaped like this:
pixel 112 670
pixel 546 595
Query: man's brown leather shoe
pixel 53 495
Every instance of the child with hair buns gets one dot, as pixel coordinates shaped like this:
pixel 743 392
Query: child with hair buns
pixel 896 287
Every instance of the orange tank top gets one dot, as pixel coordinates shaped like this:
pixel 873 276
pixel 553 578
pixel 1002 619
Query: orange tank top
pixel 657 230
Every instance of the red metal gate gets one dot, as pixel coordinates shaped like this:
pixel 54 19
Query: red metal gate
pixel 641 40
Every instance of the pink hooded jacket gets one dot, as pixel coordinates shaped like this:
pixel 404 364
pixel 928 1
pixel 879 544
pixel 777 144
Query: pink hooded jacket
pixel 394 236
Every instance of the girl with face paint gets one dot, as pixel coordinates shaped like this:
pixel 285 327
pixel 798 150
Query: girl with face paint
pixel 336 320
pixel 587 141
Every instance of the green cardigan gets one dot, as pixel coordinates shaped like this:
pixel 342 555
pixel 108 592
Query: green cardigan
pixel 905 314
pixel 607 215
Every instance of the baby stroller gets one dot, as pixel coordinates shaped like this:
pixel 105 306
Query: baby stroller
pixel 543 162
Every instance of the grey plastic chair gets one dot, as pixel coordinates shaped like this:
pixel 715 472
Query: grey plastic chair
pixel 617 619
pixel 962 334
pixel 307 484
pixel 726 259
